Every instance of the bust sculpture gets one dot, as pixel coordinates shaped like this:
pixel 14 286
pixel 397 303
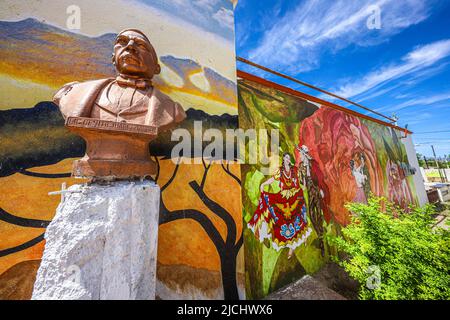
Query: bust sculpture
pixel 119 116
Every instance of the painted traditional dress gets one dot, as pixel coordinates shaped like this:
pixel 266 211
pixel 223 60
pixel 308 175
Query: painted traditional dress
pixel 281 217
pixel 399 191
pixel 360 179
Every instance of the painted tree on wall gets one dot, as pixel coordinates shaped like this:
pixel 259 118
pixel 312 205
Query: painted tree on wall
pixel 227 248
pixel 40 164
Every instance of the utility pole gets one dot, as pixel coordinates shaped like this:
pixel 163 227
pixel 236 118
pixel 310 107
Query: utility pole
pixel 426 162
pixel 437 164
pixel 446 157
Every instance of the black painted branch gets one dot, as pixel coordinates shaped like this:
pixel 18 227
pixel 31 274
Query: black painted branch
pixel 199 217
pixel 23 246
pixel 45 175
pixel 218 210
pixel 227 170
pixel 172 177
pixel 202 184
pixel 158 168
pixel 23 222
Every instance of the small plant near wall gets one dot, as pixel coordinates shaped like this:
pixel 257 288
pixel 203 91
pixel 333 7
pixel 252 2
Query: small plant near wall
pixel 394 254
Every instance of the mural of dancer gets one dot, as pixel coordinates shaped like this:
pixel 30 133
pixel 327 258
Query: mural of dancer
pixel 399 191
pixel 281 217
pixel 361 174
pixel 397 171
pixel 313 180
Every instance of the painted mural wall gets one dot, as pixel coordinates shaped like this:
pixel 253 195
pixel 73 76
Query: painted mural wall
pixel 45 44
pixel 327 158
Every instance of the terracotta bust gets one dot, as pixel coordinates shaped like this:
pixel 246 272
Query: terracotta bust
pixel 130 98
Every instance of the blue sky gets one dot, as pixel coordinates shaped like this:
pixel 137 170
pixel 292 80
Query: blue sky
pixel 403 67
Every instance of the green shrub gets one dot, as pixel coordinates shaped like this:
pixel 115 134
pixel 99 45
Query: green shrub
pixel 395 254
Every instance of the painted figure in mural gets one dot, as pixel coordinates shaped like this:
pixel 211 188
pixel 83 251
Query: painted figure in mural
pixel 359 171
pixel 399 191
pixel 281 217
pixel 130 97
pixel 398 188
pixel 313 180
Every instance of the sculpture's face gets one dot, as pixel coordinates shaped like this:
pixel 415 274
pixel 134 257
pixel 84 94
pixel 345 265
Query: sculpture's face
pixel 133 56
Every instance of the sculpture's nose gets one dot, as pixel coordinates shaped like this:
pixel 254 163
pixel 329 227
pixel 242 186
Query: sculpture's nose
pixel 130 45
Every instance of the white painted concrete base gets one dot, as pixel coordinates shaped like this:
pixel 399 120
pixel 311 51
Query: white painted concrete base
pixel 102 244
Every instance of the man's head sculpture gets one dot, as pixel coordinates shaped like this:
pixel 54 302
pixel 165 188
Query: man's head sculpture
pixel 119 116
pixel 134 55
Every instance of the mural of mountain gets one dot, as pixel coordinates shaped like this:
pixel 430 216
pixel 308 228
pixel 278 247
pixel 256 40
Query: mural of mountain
pixel 218 87
pixel 37 136
pixel 58 57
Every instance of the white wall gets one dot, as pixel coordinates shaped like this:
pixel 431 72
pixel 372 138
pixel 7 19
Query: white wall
pixel 418 180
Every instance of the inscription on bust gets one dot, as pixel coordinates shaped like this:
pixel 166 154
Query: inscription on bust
pixel 91 123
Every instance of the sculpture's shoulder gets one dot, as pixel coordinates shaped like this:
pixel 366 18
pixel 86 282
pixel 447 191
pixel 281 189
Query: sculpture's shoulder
pixel 78 88
pixel 77 98
pixel 171 107
pixel 65 89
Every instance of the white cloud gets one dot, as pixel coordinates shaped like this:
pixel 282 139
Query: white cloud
pixel 376 93
pixel 403 96
pixel 225 18
pixel 296 41
pixel 417 119
pixel 419 60
pixel 206 4
pixel 424 101
pixel 188 9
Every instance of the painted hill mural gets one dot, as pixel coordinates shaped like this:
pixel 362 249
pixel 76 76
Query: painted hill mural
pixel 43 58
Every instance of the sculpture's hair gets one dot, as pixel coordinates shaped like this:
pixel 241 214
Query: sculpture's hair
pixel 152 49
pixel 137 31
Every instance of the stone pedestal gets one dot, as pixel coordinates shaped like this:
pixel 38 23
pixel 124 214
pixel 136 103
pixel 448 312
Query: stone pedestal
pixel 102 244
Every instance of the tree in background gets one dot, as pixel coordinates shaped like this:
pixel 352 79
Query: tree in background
pixel 421 160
